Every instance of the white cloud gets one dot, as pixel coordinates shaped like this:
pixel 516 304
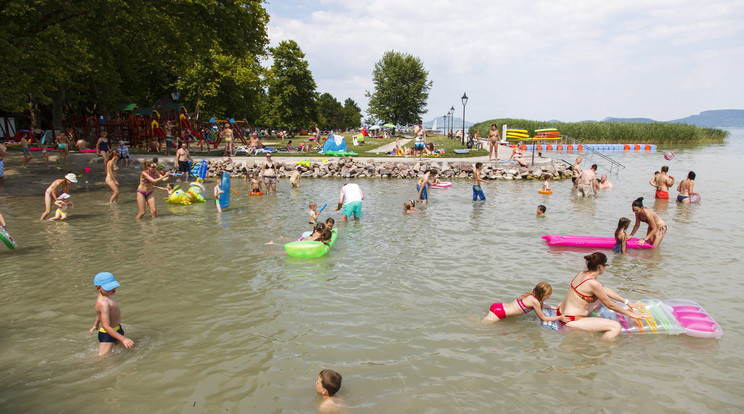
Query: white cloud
pixel 568 60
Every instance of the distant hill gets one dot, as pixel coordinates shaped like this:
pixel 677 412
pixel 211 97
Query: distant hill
pixel 640 120
pixel 717 118
pixel 456 123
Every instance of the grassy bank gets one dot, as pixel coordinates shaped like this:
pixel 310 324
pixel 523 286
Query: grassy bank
pixel 616 132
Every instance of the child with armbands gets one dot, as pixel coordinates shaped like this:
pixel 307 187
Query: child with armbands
pixel 523 304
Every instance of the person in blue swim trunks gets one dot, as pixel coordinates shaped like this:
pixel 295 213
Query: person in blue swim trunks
pixel 477 180
pixel 423 185
pixel 350 201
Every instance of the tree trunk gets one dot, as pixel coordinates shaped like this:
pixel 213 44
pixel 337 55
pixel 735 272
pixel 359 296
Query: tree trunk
pixel 57 113
pixel 31 113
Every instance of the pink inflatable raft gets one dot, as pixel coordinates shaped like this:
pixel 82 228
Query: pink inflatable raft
pixel 673 317
pixel 593 242
pixel 443 184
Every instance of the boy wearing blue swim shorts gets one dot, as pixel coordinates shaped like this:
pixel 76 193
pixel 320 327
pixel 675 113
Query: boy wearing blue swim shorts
pixel 477 180
pixel 108 315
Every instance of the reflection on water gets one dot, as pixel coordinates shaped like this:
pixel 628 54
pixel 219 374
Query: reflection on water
pixel 224 322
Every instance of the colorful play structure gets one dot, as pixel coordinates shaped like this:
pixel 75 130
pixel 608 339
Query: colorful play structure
pixel 140 126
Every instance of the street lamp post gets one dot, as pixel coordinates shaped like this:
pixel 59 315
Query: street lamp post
pixel 444 123
pixel 452 120
pixel 464 102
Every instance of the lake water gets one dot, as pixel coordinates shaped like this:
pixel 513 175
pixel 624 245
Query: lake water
pixel 224 323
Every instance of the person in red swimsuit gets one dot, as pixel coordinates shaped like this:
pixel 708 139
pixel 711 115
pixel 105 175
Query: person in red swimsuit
pixel 523 304
pixel 585 291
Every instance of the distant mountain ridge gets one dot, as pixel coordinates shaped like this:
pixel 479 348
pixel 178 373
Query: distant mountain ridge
pixel 456 123
pixel 715 118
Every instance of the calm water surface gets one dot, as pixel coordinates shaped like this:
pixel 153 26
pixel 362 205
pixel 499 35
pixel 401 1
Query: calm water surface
pixel 225 323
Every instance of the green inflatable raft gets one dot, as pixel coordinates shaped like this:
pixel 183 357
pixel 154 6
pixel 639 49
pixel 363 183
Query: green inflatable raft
pixel 308 248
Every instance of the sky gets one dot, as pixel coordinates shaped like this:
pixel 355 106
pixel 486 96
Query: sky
pixel 542 60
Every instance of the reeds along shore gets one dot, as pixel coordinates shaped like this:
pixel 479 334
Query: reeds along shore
pixel 616 132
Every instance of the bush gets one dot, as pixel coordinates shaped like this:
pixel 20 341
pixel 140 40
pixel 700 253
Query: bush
pixel 615 132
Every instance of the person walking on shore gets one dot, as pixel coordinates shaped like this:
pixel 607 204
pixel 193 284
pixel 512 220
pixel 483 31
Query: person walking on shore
pixel 418 147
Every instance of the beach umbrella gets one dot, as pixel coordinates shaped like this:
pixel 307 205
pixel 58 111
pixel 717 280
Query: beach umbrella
pixel 388 125
pixel 375 127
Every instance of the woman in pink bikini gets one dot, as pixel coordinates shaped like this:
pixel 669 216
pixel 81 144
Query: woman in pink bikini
pixel 523 304
pixel 583 294
pixel 145 189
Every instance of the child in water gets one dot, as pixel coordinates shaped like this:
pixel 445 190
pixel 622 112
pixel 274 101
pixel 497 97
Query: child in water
pixel 255 184
pixel 546 184
pixel 108 315
pixel 330 222
pixel 63 203
pixel 317 232
pixel 477 190
pixel 295 178
pixel 541 209
pixel 409 207
pixel 313 213
pixel 217 192
pixel 327 385
pixel 621 236
pixel 523 304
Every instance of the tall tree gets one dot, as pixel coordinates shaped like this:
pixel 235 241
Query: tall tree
pixel 79 54
pixel 352 114
pixel 401 88
pixel 291 87
pixel 330 112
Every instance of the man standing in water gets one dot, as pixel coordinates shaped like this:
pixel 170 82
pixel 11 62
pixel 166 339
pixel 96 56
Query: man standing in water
pixel 183 158
pixel 350 199
pixel 585 182
pixel 662 182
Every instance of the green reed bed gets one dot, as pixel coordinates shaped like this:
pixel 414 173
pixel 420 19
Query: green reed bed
pixel 615 132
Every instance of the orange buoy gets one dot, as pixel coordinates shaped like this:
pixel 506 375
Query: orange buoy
pixel 627 147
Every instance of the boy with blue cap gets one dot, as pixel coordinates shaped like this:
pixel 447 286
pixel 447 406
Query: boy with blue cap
pixel 108 315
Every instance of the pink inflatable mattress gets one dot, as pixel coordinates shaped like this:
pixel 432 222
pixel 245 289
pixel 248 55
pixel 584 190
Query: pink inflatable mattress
pixel 593 242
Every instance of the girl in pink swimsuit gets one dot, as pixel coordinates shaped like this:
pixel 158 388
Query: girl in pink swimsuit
pixel 523 304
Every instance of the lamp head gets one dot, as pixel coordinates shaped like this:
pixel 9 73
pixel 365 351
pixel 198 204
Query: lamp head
pixel 464 99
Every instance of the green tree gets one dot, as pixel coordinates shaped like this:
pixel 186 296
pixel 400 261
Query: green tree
pixel 401 88
pixel 330 112
pixel 291 87
pixel 352 114
pixel 79 55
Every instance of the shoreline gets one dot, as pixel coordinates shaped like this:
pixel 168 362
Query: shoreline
pixel 36 177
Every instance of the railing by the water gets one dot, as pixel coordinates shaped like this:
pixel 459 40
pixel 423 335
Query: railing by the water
pixel 591 152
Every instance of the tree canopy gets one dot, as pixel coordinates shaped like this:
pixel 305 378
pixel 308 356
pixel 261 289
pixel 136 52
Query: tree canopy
pixel 90 55
pixel 291 87
pixel 401 89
